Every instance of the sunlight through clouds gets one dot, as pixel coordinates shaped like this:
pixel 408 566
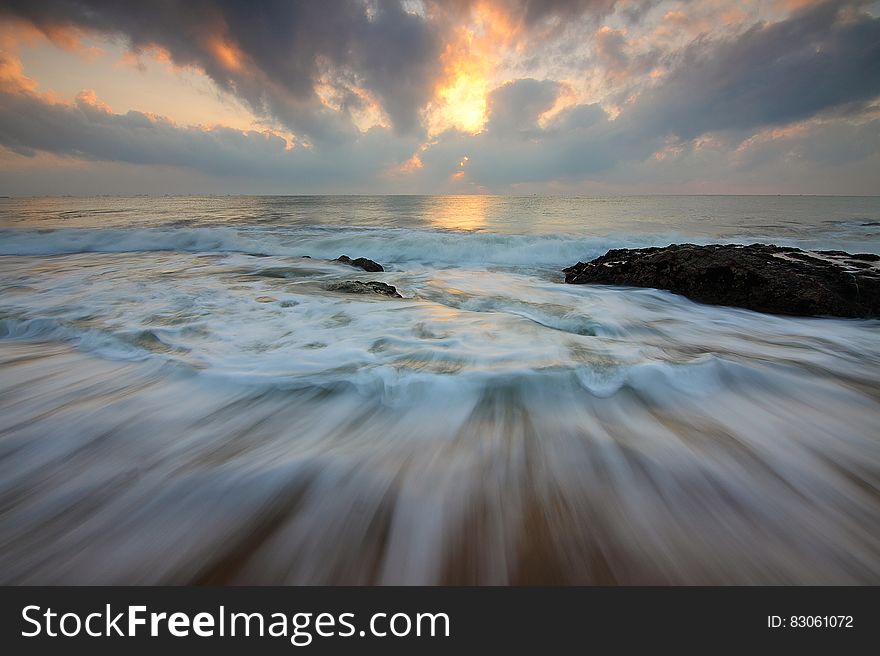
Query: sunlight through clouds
pixel 571 95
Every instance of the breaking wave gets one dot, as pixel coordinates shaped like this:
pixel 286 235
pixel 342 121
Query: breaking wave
pixel 388 245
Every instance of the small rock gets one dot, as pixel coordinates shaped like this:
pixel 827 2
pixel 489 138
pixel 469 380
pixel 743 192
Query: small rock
pixel 265 299
pixel 360 263
pixel 358 287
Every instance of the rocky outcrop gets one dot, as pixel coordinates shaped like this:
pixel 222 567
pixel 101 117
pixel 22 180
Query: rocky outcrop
pixel 358 287
pixel 360 263
pixel 759 277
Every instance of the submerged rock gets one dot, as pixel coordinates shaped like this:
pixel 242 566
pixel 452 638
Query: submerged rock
pixel 361 263
pixel 358 287
pixel 759 277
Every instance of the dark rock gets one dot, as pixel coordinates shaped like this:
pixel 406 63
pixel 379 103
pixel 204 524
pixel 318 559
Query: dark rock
pixel 758 277
pixel 358 287
pixel 361 263
pixel 865 257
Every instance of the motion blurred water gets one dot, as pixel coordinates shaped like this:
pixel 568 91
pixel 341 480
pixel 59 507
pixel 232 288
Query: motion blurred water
pixel 183 400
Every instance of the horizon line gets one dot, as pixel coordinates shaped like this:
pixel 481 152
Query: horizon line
pixel 429 195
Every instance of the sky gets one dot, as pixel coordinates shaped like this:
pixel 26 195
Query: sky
pixel 594 97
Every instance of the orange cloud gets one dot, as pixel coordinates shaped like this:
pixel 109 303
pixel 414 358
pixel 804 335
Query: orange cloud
pixel 774 134
pixel 227 54
pixel 12 77
pixel 90 98
pixel 15 32
pixel 414 163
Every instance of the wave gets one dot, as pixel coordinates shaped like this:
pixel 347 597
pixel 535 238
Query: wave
pixel 409 374
pixel 390 246
pixel 723 475
pixel 386 245
pixel 493 426
pixel 87 240
pixel 126 345
pixel 422 374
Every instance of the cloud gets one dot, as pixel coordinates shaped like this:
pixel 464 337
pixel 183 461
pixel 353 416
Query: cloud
pixel 516 106
pixel 825 143
pixel 88 129
pixel 822 57
pixel 823 61
pixel 536 11
pixel 274 55
pixel 283 58
pixel 610 48
pixel 795 90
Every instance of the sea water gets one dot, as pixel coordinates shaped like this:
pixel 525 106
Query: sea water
pixel 183 399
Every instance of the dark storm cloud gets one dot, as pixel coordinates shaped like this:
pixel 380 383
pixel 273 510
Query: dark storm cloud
pixel 285 48
pixel 515 107
pixel 822 57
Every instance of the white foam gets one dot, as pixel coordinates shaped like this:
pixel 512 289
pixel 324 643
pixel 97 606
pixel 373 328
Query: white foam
pixel 389 246
pixel 374 430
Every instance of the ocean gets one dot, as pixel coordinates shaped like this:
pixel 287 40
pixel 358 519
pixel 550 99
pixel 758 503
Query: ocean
pixel 183 398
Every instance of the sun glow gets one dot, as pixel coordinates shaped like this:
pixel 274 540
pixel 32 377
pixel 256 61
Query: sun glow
pixel 469 61
pixel 463 97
